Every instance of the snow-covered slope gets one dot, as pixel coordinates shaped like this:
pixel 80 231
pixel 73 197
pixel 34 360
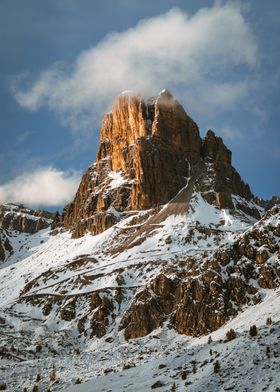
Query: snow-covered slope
pixel 71 304
pixel 247 363
pixel 17 224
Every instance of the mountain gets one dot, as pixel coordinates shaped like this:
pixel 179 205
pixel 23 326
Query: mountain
pixel 163 246
pixel 17 224
pixel 148 152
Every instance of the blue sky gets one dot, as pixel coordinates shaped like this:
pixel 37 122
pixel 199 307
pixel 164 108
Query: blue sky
pixel 64 61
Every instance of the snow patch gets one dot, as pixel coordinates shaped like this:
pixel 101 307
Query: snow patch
pixel 117 179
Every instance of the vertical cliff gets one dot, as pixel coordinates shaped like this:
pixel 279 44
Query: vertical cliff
pixel 148 151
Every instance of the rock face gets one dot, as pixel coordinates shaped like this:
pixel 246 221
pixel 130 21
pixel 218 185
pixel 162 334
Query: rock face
pixel 267 204
pixel 6 248
pixel 194 293
pixel 24 220
pixel 203 298
pixel 147 153
pixel 224 179
pixel 17 219
pixel 2 250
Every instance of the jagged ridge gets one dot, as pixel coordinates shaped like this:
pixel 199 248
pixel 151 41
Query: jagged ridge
pixel 147 153
pixel 19 219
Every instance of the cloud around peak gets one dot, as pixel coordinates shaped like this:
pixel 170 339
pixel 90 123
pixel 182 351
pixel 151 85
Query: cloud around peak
pixel 191 55
pixel 46 187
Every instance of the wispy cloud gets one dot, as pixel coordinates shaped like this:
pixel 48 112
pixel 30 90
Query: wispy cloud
pixel 191 55
pixel 24 135
pixel 42 187
pixel 230 133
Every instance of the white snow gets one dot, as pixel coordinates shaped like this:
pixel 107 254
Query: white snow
pixel 49 261
pixel 116 179
pixel 242 360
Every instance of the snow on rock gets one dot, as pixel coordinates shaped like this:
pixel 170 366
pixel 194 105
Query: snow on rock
pixel 116 179
pixel 63 301
pixel 171 359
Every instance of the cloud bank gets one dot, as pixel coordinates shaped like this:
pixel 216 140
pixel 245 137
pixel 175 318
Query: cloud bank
pixel 43 187
pixel 191 55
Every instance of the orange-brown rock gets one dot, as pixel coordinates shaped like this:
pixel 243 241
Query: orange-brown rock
pixel 261 256
pixel 19 218
pixel 225 180
pixel 174 127
pixel 200 302
pixel 224 200
pixel 148 146
pixel 99 320
pixel 194 308
pixel 214 149
pixel 144 316
pixel 147 152
pixel 68 311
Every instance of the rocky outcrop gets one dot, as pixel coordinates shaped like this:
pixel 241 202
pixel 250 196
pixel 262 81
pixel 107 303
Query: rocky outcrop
pixel 194 292
pixel 15 219
pixel 24 220
pixel 196 306
pixel 147 152
pixel 224 179
pixel 205 296
pixel 6 248
pixel 132 119
pixel 150 307
pixel 2 251
pixel 270 203
pixel 148 147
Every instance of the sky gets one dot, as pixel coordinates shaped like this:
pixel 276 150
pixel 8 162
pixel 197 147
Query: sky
pixel 63 62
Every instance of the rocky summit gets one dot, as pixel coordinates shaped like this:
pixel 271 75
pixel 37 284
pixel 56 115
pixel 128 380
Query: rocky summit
pixel 148 152
pixel 163 272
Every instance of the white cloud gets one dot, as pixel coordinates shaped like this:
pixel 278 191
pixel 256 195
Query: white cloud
pixel 24 135
pixel 42 187
pixel 198 57
pixel 231 133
